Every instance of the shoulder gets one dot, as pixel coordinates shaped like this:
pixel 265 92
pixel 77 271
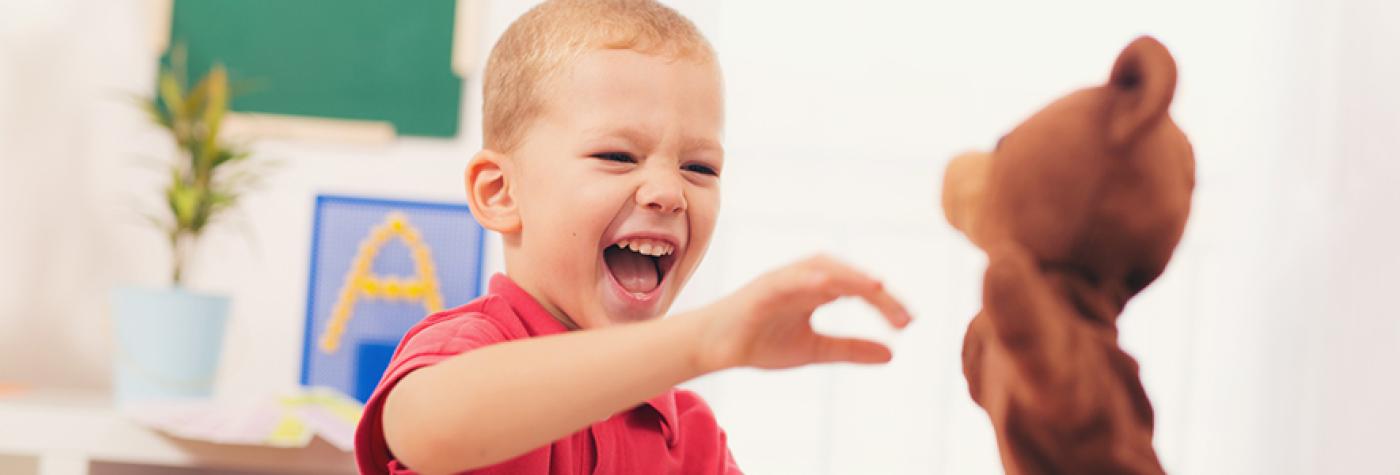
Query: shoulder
pixel 484 321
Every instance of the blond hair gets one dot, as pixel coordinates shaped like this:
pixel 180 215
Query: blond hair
pixel 542 42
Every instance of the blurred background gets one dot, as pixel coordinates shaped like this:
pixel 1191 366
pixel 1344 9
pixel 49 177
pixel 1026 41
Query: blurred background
pixel 1269 345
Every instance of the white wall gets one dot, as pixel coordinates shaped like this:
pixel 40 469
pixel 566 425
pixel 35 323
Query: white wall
pixel 1359 323
pixel 1267 347
pixel 82 152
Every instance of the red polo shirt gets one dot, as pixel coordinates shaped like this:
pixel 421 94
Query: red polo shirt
pixel 674 432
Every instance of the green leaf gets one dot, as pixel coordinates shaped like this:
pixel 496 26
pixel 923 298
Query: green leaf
pixel 196 99
pixel 204 209
pixel 200 165
pixel 184 203
pixel 217 82
pixel 172 95
pixel 221 201
pixel 227 155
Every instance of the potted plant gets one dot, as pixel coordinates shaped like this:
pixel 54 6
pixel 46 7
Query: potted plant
pixel 169 339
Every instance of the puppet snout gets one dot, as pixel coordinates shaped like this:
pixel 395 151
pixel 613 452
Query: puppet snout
pixel 964 181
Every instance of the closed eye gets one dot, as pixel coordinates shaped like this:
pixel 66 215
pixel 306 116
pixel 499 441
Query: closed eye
pixel 620 157
pixel 701 169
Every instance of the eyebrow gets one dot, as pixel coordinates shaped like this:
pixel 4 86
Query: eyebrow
pixel 638 137
pixel 696 143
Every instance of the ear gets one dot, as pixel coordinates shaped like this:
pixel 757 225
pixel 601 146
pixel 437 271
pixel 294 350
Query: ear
pixel 1141 88
pixel 489 192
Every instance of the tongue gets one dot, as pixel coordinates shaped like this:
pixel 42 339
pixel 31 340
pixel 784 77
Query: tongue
pixel 636 272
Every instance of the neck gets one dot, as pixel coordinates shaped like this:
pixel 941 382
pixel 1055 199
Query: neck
pixel 526 282
pixel 1099 301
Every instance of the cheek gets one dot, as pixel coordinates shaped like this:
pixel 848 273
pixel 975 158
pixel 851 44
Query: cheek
pixel 562 236
pixel 704 211
pixel 576 205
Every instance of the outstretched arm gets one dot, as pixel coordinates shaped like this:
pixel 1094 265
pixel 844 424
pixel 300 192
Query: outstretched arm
pixel 488 405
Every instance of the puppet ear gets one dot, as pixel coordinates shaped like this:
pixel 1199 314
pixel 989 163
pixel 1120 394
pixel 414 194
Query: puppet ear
pixel 1140 88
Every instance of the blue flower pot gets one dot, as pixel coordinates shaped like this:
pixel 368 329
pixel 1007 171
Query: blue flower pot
pixel 168 343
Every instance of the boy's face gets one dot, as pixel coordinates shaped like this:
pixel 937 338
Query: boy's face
pixel 626 152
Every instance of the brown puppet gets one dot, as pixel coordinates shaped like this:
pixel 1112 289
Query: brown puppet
pixel 1078 209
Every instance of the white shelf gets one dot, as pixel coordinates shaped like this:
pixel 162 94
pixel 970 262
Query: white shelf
pixel 66 430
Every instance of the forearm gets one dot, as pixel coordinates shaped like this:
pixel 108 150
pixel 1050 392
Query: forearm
pixel 494 403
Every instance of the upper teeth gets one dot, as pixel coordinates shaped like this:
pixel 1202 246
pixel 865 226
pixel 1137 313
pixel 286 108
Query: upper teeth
pixel 650 247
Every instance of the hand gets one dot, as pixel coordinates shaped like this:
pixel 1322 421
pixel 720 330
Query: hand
pixel 767 323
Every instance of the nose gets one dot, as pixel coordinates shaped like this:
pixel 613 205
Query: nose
pixel 662 192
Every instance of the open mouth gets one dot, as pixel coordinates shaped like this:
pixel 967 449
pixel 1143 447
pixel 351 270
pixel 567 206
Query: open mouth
pixel 639 265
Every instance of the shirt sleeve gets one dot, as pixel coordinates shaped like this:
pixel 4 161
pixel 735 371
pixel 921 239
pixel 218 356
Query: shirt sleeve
pixel 435 340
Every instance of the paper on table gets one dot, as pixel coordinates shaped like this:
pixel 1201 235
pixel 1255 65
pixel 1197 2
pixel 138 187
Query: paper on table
pixel 329 414
pixel 288 421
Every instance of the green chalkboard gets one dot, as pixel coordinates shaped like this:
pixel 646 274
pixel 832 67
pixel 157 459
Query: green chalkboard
pixel 380 60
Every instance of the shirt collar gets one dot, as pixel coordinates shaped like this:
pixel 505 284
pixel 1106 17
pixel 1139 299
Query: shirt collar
pixel 539 322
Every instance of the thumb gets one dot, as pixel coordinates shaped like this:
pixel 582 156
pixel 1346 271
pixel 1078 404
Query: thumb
pixel 852 350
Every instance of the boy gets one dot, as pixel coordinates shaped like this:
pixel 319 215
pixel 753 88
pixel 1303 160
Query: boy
pixel 600 169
